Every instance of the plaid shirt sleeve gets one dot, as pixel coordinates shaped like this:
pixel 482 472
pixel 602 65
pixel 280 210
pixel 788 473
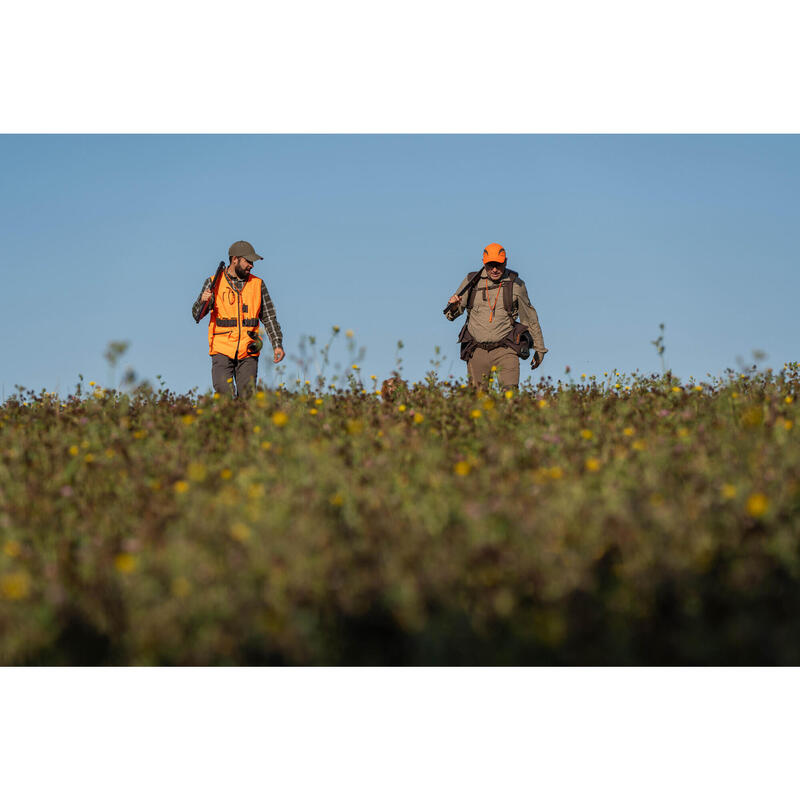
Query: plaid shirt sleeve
pixel 198 304
pixel 269 318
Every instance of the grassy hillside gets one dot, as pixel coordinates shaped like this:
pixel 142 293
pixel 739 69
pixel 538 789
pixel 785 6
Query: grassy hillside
pixel 631 520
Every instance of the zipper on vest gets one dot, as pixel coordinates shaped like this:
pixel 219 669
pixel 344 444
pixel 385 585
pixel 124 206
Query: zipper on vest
pixel 239 320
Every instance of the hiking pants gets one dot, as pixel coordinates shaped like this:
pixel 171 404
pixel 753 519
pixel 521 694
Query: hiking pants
pixel 243 371
pixel 505 359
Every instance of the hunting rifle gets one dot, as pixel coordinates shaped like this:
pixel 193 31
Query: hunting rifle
pixel 474 282
pixel 217 276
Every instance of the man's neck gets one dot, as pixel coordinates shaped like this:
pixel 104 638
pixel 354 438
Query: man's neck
pixel 231 272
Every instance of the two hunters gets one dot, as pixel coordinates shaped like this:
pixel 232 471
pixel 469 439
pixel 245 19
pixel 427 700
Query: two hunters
pixel 502 325
pixel 238 301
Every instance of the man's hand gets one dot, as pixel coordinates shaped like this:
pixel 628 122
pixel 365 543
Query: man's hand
pixel 454 299
pixel 206 296
pixel 278 354
pixel 536 359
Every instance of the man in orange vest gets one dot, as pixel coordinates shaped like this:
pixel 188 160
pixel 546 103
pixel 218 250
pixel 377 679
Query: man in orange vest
pixel 238 300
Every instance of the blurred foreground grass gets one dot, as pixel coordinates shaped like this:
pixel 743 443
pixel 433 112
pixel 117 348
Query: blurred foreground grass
pixel 627 521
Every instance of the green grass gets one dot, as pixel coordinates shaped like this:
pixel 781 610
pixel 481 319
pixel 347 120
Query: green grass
pixel 585 523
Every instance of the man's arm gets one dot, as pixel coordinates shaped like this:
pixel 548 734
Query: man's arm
pixel 528 317
pixel 462 301
pixel 270 321
pixel 198 304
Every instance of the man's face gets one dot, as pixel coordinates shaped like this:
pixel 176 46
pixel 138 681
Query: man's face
pixel 495 270
pixel 242 267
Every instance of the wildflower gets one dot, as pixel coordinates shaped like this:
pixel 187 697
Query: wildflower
pixel 230 380
pixel 88 458
pixel 757 504
pixel 265 445
pixel 307 383
pixel 592 464
pixel 728 491
pixel 15 585
pixel 348 334
pixel 255 492
pixel 697 388
pixel 188 419
pixel 180 487
pixel 542 403
pixel 556 473
pixel 226 474
pixel 280 418
pixel 336 499
pixel 418 418
pixel 198 411
pixel 488 404
pixel 373 377
pixel 734 395
pixel 587 434
pixel 462 468
pixel 475 413
pixel 256 429
pixel 356 367
pixel 313 411
pixel 788 400
pixel 91 383
pixel 336 329
pixel 683 433
pixel 196 471
pixel 318 401
pixel 788 424
pixel 73 450
pixel 617 385
pixel 639 444
pixel 508 394
pixel 401 407
pixel 494 368
pixel 240 532
pixel 260 395
pixel 180 586
pixel 125 563
pixel 676 389
pixel 583 376
pixel 216 395
pixel 12 548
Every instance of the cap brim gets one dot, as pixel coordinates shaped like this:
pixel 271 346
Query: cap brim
pixel 257 257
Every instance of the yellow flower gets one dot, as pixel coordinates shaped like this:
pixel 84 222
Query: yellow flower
pixel 488 404
pixel 542 403
pixel 180 487
pixel 336 499
pixel 139 434
pixel 196 471
pixel 226 474
pixel 313 411
pixel 676 388
pixel 230 380
pixel 617 385
pixel 401 407
pixel 180 586
pixel 125 563
pixel 15 585
pixel 336 329
pixel 788 400
pixel 697 388
pixel 265 445
pixel 318 401
pixel 240 532
pixel 475 413
pixel 734 395
pixel 757 504
pixel 260 395
pixel 348 334
pixel 88 458
pixel 728 491
pixel 373 377
pixel 494 368
pixel 556 473
pixel 73 451
pixel 355 366
pixel 583 376
pixel 91 383
pixel 683 433
pixel 188 419
pixel 280 418
pixel 12 548
pixel 639 444
pixel 216 395
pixel 627 431
pixel 508 394
pixel 592 464
pixel 256 429
pixel 418 418
pixel 462 468
pixel 587 434
pixel 307 383
pixel 788 424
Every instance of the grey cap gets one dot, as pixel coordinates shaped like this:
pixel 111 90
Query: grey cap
pixel 245 250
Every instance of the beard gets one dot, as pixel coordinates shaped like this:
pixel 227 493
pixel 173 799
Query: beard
pixel 241 272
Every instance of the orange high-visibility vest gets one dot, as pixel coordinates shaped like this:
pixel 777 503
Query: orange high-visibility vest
pixel 232 316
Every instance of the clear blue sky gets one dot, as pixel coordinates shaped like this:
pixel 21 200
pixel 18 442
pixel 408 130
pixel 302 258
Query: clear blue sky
pixel 110 237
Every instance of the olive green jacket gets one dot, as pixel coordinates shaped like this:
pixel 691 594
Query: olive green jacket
pixel 489 292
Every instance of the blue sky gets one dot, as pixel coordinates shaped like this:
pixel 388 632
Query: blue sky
pixel 110 237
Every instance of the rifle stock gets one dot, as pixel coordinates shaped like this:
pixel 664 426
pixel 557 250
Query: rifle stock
pixel 217 275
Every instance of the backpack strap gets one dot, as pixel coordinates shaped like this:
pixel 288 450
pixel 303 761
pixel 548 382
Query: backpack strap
pixel 471 295
pixel 508 292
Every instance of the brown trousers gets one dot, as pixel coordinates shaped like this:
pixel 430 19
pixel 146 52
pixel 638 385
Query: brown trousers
pixel 505 359
pixel 243 372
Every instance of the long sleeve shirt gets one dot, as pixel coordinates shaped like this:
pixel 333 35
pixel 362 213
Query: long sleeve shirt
pixel 488 321
pixel 267 313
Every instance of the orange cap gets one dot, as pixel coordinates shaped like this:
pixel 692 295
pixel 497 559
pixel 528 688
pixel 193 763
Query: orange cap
pixel 494 252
